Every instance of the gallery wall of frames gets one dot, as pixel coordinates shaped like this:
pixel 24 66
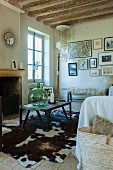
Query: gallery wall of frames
pixel 102 64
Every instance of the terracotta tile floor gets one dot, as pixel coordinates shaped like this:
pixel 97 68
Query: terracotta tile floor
pixel 9 163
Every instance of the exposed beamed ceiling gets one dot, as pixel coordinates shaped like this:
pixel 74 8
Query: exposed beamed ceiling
pixel 65 12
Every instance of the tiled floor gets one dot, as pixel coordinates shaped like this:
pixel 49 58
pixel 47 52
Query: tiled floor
pixel 9 163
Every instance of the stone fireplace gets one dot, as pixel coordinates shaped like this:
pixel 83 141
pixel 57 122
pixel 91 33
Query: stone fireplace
pixel 11 90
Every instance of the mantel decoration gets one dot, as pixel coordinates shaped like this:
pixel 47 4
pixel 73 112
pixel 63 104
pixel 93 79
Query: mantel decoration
pixel 62 43
pixel 80 49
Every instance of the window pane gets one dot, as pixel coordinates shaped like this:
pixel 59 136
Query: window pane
pixel 30 72
pixel 38 73
pixel 38 43
pixel 30 57
pixel 30 41
pixel 38 58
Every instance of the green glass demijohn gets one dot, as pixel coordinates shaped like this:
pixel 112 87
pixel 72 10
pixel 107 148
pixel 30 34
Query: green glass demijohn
pixel 38 96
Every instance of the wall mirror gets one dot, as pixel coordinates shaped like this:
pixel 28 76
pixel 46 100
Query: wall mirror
pixel 9 38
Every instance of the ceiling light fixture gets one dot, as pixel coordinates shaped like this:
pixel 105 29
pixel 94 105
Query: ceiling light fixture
pixel 62 41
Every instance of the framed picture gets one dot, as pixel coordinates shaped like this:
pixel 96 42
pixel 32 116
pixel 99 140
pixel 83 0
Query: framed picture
pixel 107 70
pixel 108 44
pixel 49 90
pixel 80 49
pixel 83 64
pixel 97 43
pixel 105 58
pixel 93 62
pixel 72 69
pixel 94 72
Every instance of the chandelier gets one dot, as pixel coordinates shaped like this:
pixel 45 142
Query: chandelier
pixel 62 41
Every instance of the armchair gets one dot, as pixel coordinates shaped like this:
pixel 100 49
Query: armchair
pixel 92 106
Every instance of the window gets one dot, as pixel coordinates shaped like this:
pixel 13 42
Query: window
pixel 35 57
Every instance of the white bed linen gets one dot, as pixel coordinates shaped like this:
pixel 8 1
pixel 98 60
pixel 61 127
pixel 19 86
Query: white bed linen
pixel 92 106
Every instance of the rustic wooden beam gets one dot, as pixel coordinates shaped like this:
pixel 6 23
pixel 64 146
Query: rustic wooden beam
pixel 75 10
pixel 22 0
pixel 42 3
pixel 85 14
pixel 62 6
pixel 88 19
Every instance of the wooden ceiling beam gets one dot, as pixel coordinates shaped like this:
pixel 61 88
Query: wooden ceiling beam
pixel 42 3
pixel 76 10
pixel 69 12
pixel 62 6
pixel 79 16
pixel 82 20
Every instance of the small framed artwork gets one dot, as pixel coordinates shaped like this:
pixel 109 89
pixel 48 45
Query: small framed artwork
pixel 94 72
pixel 49 90
pixel 107 70
pixel 108 44
pixel 93 62
pixel 72 69
pixel 97 43
pixel 105 58
pixel 83 64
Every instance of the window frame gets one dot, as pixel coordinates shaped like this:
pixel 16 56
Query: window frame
pixel 34 34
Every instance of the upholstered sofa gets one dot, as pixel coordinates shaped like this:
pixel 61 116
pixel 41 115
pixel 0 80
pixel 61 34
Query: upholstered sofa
pixel 81 93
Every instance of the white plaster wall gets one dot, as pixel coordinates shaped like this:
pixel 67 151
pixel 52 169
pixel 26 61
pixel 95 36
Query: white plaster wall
pixel 18 24
pixel 9 22
pixel 86 31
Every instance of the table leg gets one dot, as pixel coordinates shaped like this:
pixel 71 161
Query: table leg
pixel 26 118
pixel 70 109
pixel 47 113
pixel 40 118
pixel 64 112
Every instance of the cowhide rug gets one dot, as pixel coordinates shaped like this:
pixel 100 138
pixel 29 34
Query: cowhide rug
pixel 33 144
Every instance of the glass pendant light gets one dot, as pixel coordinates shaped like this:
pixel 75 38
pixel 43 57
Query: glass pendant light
pixel 62 41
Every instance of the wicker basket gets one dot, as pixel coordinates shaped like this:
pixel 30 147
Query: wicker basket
pixel 95 153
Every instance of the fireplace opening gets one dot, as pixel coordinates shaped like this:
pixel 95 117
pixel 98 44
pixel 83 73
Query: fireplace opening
pixel 10 104
pixel 10 90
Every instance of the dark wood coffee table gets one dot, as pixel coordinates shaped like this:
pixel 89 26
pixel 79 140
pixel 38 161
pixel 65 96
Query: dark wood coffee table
pixel 47 108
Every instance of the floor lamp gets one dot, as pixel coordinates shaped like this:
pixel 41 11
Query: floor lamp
pixel 58 74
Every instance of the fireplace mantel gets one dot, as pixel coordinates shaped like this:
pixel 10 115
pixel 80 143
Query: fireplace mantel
pixel 11 73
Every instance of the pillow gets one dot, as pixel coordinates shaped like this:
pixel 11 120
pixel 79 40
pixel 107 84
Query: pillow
pixel 102 126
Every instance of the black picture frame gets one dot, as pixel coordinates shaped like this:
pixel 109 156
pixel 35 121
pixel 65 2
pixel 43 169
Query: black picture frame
pixel 108 44
pixel 72 69
pixel 80 49
pixel 93 62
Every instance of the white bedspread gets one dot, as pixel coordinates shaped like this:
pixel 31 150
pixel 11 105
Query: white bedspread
pixel 92 106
